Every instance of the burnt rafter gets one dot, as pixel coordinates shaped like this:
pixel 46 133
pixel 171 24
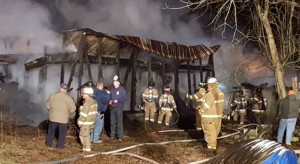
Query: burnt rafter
pixel 168 50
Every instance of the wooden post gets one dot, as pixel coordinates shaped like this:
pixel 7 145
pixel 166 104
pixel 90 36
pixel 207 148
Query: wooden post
pixel 201 70
pixel 62 72
pixel 118 61
pixel 133 82
pixel 149 70
pixel 189 76
pixel 42 74
pixel 99 55
pixel 176 80
pixel 88 66
pixel 72 72
pixel 81 52
pixel 211 65
pixel 163 74
pixel 194 82
pixel 129 68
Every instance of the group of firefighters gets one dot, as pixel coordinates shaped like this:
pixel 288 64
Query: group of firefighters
pixel 210 108
pixel 253 107
pixel 166 103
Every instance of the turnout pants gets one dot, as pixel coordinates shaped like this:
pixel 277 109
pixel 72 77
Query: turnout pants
pixel 239 116
pixel 85 139
pixel 211 128
pixel 198 120
pixel 259 117
pixel 150 109
pixel 165 112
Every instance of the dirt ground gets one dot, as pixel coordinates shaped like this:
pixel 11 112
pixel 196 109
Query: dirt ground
pixel 26 144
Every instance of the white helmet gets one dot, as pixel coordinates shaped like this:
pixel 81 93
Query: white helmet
pixel 211 80
pixel 88 90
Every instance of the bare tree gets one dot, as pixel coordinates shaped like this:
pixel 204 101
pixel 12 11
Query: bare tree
pixel 272 24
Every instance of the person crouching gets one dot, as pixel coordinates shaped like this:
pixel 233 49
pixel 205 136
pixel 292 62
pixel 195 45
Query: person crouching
pixel 87 118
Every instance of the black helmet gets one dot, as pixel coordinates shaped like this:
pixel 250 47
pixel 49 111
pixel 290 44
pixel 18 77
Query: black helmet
pixel 240 92
pixel 151 83
pixel 258 90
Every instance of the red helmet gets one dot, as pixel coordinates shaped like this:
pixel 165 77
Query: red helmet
pixel 167 89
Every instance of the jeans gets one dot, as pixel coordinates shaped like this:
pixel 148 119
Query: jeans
pixel 116 123
pixel 98 126
pixel 289 125
pixel 62 131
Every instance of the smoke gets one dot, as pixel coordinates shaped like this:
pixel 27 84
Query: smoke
pixel 27 26
pixel 25 30
pixel 142 18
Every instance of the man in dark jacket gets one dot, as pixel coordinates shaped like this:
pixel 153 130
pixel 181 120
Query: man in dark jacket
pixel 102 96
pixel 118 99
pixel 287 111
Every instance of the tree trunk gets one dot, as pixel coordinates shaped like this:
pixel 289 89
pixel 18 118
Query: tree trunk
pixel 277 65
pixel 278 69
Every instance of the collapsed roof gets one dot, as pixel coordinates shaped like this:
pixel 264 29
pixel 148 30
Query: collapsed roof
pixel 108 44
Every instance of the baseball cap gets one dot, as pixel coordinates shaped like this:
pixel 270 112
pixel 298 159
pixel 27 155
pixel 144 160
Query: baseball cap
pixel 64 86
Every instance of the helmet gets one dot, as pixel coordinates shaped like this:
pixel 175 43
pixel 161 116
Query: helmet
pixel 211 80
pixel 88 90
pixel 167 89
pixel 258 90
pixel 151 83
pixel 116 78
pixel 240 91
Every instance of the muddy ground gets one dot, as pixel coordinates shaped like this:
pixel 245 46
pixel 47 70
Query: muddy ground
pixel 26 144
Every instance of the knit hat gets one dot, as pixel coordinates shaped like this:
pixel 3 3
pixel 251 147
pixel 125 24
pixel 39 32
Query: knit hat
pixel 64 86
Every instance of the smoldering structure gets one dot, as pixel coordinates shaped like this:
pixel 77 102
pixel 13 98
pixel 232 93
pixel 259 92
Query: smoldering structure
pixel 106 49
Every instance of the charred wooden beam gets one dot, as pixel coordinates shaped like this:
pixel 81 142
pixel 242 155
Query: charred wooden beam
pixel 99 56
pixel 176 80
pixel 118 62
pixel 39 62
pixel 62 73
pixel 82 50
pixel 133 82
pixel 7 58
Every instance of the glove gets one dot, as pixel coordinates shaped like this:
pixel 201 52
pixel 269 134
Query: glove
pixel 187 95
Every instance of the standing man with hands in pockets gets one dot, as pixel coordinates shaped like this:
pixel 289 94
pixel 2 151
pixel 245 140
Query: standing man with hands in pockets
pixel 287 112
pixel 118 99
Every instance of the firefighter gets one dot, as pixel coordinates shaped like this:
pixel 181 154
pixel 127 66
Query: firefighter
pixel 167 105
pixel 197 98
pixel 150 97
pixel 258 106
pixel 211 113
pixel 87 118
pixel 238 106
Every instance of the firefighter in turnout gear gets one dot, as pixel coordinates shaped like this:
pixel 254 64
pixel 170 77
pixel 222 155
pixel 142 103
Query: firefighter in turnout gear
pixel 258 106
pixel 197 98
pixel 211 113
pixel 87 118
pixel 238 106
pixel 150 97
pixel 167 105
